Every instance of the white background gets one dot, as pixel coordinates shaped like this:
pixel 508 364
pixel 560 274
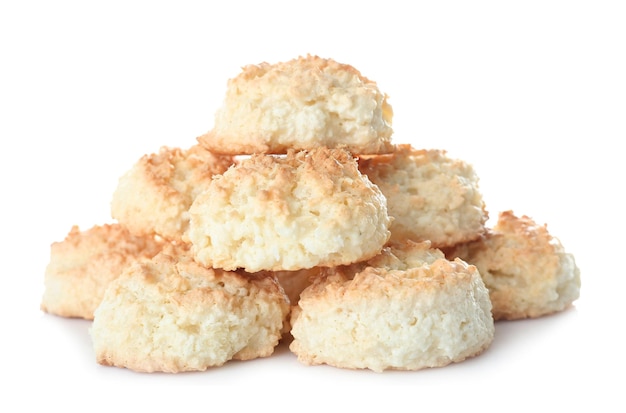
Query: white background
pixel 532 93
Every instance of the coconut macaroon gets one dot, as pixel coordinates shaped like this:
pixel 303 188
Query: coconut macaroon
pixel 294 282
pixel 85 262
pixel 154 196
pixel 430 195
pixel 287 213
pixel 407 309
pixel 303 103
pixel 171 315
pixel 527 270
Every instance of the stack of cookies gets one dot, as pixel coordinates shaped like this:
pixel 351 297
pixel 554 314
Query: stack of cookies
pixel 296 218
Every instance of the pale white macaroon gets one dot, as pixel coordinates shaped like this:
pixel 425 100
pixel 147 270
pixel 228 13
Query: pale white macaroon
pixel 303 103
pixel 407 309
pixel 83 264
pixel 172 315
pixel 430 195
pixel 287 213
pixel 527 270
pixel 154 195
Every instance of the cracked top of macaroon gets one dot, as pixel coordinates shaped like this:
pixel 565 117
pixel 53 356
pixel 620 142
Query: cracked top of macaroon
pixel 303 103
pixel 289 212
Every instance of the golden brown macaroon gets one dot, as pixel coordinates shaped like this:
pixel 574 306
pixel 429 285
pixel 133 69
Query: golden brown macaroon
pixel 301 104
pixel 170 314
pixel 527 270
pixel 154 196
pixel 85 262
pixel 407 309
pixel 430 195
pixel 287 213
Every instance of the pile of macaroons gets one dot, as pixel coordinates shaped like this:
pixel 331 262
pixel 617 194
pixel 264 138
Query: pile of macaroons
pixel 296 219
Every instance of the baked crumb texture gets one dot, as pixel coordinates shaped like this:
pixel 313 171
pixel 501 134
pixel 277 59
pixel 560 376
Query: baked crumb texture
pixel 295 218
